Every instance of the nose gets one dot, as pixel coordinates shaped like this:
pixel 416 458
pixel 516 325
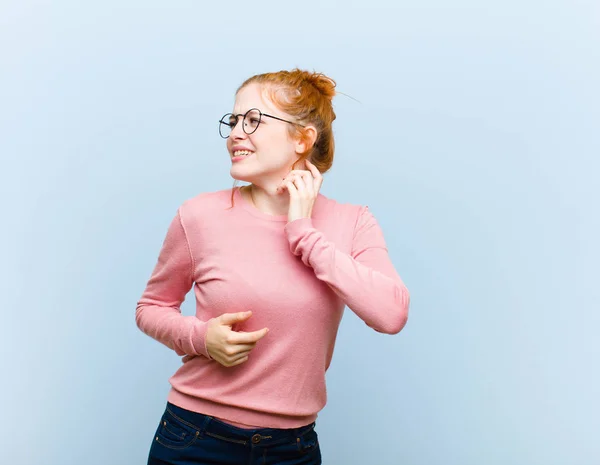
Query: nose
pixel 237 132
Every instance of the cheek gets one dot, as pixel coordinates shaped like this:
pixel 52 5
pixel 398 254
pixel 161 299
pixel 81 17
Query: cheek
pixel 276 144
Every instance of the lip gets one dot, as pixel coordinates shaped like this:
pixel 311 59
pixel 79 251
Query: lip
pixel 240 147
pixel 236 159
pixel 235 148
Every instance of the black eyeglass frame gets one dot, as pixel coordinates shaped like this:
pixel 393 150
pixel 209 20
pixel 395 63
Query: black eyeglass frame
pixel 237 119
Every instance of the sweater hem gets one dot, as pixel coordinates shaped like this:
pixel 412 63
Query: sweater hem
pixel 238 414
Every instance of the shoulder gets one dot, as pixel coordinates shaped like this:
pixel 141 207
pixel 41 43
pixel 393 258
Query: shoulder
pixel 349 214
pixel 205 203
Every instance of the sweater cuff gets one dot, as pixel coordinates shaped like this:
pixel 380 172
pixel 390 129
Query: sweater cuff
pixel 198 337
pixel 295 231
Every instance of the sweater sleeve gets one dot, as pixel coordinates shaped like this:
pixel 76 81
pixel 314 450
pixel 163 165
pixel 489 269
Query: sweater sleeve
pixel 365 279
pixel 158 312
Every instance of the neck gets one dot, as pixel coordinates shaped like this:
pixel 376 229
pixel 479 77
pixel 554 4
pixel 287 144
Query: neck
pixel 268 201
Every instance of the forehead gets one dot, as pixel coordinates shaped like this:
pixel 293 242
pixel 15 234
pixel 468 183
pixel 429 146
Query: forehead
pixel 253 96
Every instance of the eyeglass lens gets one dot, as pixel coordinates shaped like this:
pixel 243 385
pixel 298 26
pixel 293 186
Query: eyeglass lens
pixel 249 124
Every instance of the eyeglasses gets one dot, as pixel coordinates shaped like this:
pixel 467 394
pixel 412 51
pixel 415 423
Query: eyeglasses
pixel 250 123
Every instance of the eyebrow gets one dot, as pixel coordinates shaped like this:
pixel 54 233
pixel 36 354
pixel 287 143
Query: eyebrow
pixel 268 116
pixel 253 108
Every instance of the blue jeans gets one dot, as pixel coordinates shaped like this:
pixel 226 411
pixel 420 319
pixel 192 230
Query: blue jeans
pixel 189 438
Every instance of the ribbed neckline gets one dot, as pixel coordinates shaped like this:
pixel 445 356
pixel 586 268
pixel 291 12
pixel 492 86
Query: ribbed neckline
pixel 238 197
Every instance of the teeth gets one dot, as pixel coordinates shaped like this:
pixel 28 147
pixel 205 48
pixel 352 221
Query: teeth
pixel 241 153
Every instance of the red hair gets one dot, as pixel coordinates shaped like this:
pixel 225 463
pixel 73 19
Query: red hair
pixel 307 98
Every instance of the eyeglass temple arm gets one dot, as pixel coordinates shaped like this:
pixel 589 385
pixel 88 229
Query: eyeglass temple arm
pixel 280 119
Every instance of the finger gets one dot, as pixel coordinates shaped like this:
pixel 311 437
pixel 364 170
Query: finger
pixel 291 189
pixel 247 338
pixel 313 169
pixel 309 180
pixel 231 318
pixel 298 172
pixel 307 175
pixel 239 348
pixel 301 184
pixel 233 350
pixel 235 347
pixel 237 361
pixel 242 354
pixel 316 176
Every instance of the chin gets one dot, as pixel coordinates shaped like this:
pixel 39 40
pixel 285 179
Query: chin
pixel 241 177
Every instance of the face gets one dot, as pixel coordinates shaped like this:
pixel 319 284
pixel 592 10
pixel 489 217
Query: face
pixel 272 150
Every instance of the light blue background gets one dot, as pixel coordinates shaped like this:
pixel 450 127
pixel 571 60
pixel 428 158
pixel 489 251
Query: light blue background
pixel 475 144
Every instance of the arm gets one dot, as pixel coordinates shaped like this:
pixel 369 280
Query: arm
pixel 365 279
pixel 158 311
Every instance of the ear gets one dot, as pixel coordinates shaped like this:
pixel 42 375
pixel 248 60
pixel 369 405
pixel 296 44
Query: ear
pixel 306 141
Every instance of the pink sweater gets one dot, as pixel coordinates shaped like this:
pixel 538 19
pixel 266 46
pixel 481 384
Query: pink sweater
pixel 296 277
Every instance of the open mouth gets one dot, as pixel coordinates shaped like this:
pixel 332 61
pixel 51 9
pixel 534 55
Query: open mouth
pixel 242 153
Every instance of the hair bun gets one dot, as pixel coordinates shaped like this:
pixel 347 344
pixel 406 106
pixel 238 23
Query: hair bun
pixel 324 84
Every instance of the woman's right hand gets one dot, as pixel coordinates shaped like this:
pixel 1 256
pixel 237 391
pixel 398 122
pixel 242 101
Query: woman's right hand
pixel 229 347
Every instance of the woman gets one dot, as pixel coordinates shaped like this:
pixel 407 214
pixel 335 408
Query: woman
pixel 273 265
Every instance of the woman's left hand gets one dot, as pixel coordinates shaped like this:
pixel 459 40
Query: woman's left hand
pixel 303 187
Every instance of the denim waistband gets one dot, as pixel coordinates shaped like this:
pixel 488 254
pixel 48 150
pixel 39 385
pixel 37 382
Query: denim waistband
pixel 214 427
